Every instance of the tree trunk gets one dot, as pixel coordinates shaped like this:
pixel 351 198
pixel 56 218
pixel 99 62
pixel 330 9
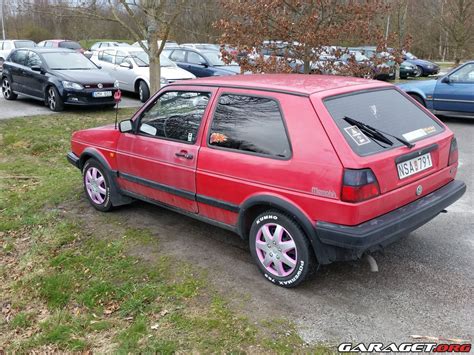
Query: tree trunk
pixel 155 74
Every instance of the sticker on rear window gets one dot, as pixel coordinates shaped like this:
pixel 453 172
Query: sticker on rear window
pixel 356 134
pixel 417 133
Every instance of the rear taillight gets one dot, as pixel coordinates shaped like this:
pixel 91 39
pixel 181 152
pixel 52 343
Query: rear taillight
pixel 453 152
pixel 359 185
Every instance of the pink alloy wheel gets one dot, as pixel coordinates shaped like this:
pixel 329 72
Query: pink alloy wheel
pixel 95 185
pixel 276 249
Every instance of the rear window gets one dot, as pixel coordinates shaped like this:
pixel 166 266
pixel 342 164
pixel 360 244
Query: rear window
pixel 69 45
pixel 386 110
pixel 25 44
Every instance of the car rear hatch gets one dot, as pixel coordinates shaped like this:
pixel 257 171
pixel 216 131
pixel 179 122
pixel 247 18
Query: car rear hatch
pixel 399 170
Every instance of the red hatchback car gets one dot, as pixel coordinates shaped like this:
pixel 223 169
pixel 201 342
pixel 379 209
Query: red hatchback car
pixel 310 169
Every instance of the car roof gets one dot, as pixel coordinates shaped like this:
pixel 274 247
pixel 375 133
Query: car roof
pixel 290 83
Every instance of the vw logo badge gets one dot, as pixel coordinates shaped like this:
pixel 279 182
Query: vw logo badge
pixel 419 190
pixel 100 86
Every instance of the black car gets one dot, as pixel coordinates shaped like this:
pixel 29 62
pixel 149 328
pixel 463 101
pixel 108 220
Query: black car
pixel 201 63
pixel 56 77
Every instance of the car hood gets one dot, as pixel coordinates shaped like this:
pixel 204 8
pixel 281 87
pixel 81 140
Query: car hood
pixel 83 76
pixel 227 69
pixel 426 86
pixel 176 73
pixel 420 62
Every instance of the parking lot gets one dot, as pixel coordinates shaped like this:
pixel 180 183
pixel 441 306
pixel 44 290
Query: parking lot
pixel 24 106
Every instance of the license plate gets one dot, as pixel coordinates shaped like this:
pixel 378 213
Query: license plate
pixel 415 165
pixel 102 94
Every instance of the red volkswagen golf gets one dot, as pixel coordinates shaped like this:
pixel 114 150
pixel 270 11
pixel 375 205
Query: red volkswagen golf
pixel 308 169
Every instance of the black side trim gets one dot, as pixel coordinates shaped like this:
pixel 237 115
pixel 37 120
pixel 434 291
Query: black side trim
pixel 289 92
pixel 73 159
pixel 415 154
pixel 218 203
pixel 391 226
pixel 179 210
pixel 155 185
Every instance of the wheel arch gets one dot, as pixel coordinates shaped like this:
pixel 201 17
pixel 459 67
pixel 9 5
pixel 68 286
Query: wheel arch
pixel 137 83
pixel 116 196
pixel 256 205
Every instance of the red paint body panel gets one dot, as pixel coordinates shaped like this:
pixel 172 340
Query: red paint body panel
pixel 311 179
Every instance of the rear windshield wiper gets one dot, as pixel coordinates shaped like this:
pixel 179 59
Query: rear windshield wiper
pixel 376 133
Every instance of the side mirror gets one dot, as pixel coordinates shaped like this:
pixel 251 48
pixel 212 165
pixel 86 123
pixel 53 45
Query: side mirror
pixel 204 64
pixel 126 65
pixel 36 68
pixel 446 80
pixel 126 126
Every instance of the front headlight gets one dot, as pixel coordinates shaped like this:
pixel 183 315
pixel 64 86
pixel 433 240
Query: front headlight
pixel 116 84
pixel 71 85
pixel 430 66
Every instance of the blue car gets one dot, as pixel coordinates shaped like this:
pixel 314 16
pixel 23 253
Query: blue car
pixel 423 67
pixel 449 95
pixel 201 63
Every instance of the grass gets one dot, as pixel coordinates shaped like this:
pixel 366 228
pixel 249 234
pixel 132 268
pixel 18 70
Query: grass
pixel 69 279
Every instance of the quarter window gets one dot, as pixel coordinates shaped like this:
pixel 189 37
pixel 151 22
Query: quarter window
pixel 250 124
pixel 175 115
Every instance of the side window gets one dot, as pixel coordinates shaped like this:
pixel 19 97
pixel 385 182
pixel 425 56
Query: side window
pixel 20 57
pixel 48 44
pixel 463 75
pixel 175 115
pixel 178 55
pixel 250 124
pixel 106 56
pixel 195 58
pixel 119 57
pixel 33 60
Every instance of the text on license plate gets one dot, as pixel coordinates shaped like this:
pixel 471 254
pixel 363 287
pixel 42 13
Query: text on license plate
pixel 415 165
pixel 102 94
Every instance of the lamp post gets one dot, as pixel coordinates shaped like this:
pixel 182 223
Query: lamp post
pixel 3 19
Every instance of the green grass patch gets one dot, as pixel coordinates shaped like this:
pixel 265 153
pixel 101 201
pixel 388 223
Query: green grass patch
pixel 74 280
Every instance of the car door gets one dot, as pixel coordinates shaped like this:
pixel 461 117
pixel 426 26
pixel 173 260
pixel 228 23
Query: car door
pixel 455 92
pixel 35 80
pixel 125 75
pixel 198 65
pixel 158 160
pixel 19 70
pixel 179 56
pixel 106 59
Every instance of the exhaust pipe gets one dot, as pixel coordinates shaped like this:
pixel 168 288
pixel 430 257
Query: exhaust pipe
pixel 372 263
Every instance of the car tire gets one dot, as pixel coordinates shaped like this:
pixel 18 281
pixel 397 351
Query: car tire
pixel 287 260
pixel 418 99
pixel 418 71
pixel 7 90
pixel 97 185
pixel 143 91
pixel 1 64
pixel 53 100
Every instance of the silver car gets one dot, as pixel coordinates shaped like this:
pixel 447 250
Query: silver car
pixel 131 67
pixel 7 46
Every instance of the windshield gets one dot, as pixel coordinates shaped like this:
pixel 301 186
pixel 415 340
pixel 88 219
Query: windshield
pixel 410 55
pixel 142 59
pixel 387 110
pixel 215 58
pixel 69 45
pixel 67 61
pixel 25 44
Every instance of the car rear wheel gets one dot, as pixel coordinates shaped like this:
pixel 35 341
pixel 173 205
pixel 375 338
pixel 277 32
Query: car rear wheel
pixel 143 91
pixel 280 249
pixel 97 185
pixel 7 91
pixel 55 103
pixel 418 71
pixel 418 99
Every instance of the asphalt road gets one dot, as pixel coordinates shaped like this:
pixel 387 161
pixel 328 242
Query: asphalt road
pixel 24 106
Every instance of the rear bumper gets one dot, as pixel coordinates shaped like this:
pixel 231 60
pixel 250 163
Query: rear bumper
pixel 386 229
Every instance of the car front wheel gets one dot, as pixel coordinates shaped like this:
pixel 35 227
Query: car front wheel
pixel 281 249
pixel 97 185
pixel 418 71
pixel 7 91
pixel 55 102
pixel 143 91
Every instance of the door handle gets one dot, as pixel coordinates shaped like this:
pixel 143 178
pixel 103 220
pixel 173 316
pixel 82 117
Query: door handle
pixel 184 154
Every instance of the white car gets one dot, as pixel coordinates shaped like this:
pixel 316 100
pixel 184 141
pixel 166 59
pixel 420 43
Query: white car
pixel 103 45
pixel 131 67
pixel 8 45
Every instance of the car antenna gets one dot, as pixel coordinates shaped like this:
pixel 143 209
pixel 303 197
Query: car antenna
pixel 117 98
